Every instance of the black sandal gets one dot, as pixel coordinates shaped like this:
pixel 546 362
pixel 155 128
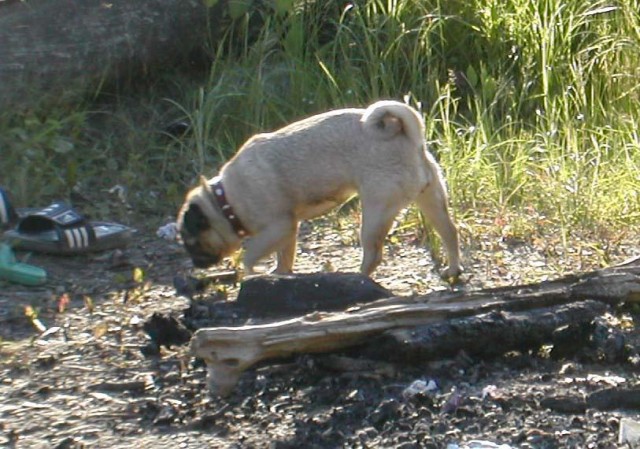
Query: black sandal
pixel 8 214
pixel 59 229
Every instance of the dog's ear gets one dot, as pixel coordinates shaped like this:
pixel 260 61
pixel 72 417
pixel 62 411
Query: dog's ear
pixel 195 221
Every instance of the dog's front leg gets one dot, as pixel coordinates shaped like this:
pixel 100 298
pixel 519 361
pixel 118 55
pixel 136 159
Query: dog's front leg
pixel 432 201
pixel 274 237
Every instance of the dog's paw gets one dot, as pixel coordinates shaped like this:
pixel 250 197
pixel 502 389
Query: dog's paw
pixel 279 271
pixel 452 274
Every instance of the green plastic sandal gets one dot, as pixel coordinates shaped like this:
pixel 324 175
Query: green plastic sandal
pixel 21 273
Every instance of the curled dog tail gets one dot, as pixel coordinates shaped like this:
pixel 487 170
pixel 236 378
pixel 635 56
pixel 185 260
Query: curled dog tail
pixel 386 119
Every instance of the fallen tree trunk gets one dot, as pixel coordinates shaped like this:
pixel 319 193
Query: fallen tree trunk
pixel 228 351
pixel 487 335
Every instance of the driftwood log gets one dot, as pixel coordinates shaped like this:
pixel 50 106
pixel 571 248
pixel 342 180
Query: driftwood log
pixel 228 351
pixel 567 327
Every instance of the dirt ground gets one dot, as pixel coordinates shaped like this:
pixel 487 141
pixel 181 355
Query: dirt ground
pixel 86 379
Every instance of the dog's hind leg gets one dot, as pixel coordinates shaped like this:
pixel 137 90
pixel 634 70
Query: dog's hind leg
pixel 432 201
pixel 277 236
pixel 287 254
pixel 378 213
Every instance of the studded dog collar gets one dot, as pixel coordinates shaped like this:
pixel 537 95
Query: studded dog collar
pixel 221 199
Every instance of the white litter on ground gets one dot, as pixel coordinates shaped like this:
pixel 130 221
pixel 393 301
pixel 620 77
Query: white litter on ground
pixel 168 231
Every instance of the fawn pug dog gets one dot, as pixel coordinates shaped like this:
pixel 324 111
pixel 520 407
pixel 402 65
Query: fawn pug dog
pixel 308 168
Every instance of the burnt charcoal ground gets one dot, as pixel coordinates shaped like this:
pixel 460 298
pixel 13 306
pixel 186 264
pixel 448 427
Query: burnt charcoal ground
pixel 91 381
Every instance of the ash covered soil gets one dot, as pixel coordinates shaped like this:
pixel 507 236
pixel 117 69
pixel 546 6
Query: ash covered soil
pixel 88 377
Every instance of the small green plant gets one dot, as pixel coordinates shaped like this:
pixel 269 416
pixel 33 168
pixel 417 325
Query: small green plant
pixel 40 152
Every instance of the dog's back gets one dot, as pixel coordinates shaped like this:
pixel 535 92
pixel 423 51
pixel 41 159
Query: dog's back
pixel 322 160
pixel 339 137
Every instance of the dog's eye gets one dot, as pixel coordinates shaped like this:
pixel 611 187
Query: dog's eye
pixel 194 220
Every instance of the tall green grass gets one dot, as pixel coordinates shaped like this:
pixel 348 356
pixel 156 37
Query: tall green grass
pixel 531 107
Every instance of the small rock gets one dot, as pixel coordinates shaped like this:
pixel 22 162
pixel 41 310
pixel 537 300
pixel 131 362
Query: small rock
pixel 452 403
pixel 419 389
pixel 166 416
pixel 188 286
pixel 386 411
pixel 166 330
pixel 298 294
pixel 568 369
pixel 541 440
pixel 46 361
pixel 482 444
pixel 408 445
pixel 565 404
pixel 68 443
pixel 629 432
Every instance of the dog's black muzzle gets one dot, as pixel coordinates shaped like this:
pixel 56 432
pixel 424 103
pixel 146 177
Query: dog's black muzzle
pixel 206 261
pixel 192 224
pixel 200 258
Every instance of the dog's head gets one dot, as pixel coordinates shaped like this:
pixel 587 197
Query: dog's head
pixel 204 231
